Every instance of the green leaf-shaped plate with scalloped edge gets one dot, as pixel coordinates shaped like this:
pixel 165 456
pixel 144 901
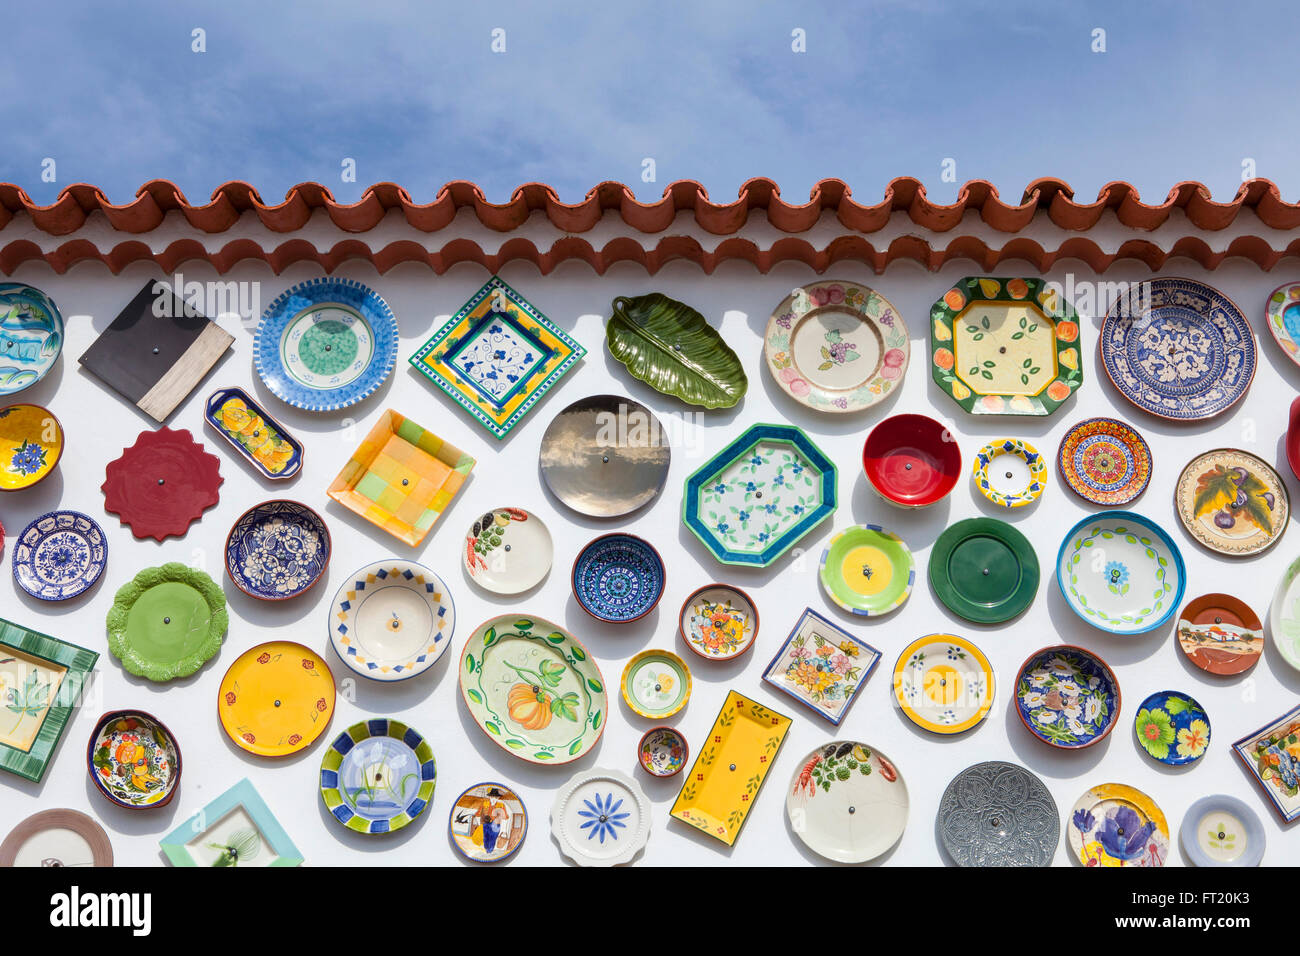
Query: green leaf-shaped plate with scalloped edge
pixel 167 622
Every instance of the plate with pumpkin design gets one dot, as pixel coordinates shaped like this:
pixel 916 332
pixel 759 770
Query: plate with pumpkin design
pixel 1173 728
pixel 533 689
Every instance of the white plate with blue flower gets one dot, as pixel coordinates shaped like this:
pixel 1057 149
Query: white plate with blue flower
pixel 601 818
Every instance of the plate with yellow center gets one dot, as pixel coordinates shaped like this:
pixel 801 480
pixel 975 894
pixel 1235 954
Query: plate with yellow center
pixel 656 684
pixel 276 699
pixel 867 570
pixel 944 683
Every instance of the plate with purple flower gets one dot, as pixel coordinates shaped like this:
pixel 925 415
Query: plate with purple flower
pixel 1114 824
pixel 836 346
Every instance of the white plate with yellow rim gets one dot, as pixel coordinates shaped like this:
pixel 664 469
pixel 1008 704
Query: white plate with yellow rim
pixel 944 683
pixel 1010 472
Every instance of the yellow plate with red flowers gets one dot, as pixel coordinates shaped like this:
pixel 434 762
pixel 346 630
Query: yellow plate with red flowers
pixel 276 699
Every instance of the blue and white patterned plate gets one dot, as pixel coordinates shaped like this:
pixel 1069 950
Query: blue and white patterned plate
pixel 277 550
pixel 31 336
pixel 326 344
pixel 1179 349
pixel 59 555
pixel 618 578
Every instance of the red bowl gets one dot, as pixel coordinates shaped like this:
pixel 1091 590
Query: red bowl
pixel 911 460
pixel 1293 438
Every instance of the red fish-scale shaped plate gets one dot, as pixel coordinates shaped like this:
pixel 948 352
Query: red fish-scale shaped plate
pixel 162 484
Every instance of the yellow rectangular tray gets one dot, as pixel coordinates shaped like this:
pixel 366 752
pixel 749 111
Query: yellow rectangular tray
pixel 715 798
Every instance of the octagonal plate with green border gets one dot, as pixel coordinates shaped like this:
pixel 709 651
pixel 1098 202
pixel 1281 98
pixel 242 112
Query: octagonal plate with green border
pixel 378 776
pixel 753 500
pixel 1005 346
pixel 867 570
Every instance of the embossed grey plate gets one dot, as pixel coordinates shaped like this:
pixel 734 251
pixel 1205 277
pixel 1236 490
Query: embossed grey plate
pixel 998 814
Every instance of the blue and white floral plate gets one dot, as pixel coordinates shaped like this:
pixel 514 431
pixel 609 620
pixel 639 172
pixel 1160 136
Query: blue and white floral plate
pixel 326 344
pixel 1179 349
pixel 1220 830
pixel 1120 572
pixel 600 818
pixel 277 550
pixel 1067 696
pixel 618 578
pixel 59 555
pixel 31 336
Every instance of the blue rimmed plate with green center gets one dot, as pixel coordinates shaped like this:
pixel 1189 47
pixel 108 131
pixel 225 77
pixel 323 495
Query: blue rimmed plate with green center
pixel 1173 728
pixel 326 344
pixel 867 570
pixel 378 776
pixel 1010 473
pixel 1121 573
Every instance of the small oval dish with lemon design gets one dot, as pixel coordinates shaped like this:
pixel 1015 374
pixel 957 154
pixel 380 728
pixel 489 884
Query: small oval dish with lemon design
pixel 867 570
pixel 1010 473
pixel 656 684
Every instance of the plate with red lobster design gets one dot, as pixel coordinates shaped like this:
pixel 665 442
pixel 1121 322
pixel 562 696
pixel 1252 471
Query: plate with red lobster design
pixel 847 802
pixel 507 551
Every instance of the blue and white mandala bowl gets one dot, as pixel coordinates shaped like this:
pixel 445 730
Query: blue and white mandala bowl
pixel 618 578
pixel 59 555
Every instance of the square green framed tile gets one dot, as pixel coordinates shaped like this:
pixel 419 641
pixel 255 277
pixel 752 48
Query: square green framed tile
pixel 236 829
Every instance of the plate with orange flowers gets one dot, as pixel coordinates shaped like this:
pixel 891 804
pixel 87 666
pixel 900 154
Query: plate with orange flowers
pixel 276 699
pixel 718 622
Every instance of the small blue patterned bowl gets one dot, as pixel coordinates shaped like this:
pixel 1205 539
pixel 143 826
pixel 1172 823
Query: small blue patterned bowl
pixel 618 578
pixel 277 550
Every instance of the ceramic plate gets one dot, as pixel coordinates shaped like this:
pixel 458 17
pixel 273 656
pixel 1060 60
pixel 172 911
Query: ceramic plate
pixel 1118 825
pixel 134 759
pixel 1232 502
pixel 1282 315
pixel 753 500
pixel 488 823
pixel 497 357
pixel 605 456
pixel 378 776
pixel 59 555
pixel 277 550
pixel 326 344
pixel 723 783
pixel 1292 438
pixel 1178 348
pixel 1220 634
pixel 836 346
pixel 911 460
pixel 600 818
pixel 31 444
pixel 998 814
pixel 167 622
pixel 258 438
pixel 533 689
pixel 1220 830
pixel 1173 728
pixel 662 752
pixel 401 478
pixel 1105 461
pixel 822 665
pixel 944 683
pixel 1120 572
pixel 508 551
pixel 849 817
pixel 984 570
pixel 162 484
pixel 276 699
pixel 392 620
pixel 1284 615
pixel 31 336
pixel 618 578
pixel 1067 697
pixel 718 622
pixel 1272 756
pixel 656 684
pixel 1010 473
pixel 236 829
pixel 56 838
pixel 867 570
pixel 1005 346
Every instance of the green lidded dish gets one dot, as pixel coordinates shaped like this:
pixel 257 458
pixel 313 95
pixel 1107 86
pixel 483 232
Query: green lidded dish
pixel 167 622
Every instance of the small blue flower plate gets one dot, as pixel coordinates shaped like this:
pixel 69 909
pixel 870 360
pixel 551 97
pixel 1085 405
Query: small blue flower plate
pixel 277 550
pixel 618 578
pixel 59 555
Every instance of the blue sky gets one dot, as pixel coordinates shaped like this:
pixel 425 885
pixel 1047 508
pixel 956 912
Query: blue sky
pixel 713 91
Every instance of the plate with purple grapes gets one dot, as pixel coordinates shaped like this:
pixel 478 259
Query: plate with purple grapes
pixel 1232 502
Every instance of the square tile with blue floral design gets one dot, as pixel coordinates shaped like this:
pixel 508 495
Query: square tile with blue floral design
pixel 497 356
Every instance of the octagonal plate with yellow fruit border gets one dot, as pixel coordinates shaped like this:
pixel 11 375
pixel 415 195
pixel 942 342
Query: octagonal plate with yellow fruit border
pixel 1005 346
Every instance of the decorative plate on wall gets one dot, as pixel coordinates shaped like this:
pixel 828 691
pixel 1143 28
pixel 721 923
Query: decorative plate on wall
pixel 167 622
pixel 1005 346
pixel 998 814
pixel 848 817
pixel 497 357
pixel 836 346
pixel 911 460
pixel 276 699
pixel 326 344
pixel 1067 696
pixel 601 818
pixel 662 752
pixel 277 550
pixel 1172 727
pixel 533 689
pixel 57 838
pixel 1105 461
pixel 134 759
pixel 944 683
pixel 984 570
pixel 1232 502
pixel 1178 348
pixel 59 555
pixel 508 551
pixel 1272 756
pixel 867 570
pixel 162 484
pixel 31 444
pixel 656 684
pixel 753 500
pixel 1137 584
pixel 1220 634
pixel 1010 473
pixel 257 437
pixel 822 665
pixel 1282 316
pixel 391 620
pixel 236 829
pixel 1117 825
pixel 1220 830
pixel 31 336
pixel 618 578
pixel 378 776
pixel 488 823
pixel 1284 615
pixel 718 622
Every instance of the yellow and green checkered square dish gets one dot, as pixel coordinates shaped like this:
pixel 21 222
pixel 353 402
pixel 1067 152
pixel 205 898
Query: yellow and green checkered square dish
pixel 401 478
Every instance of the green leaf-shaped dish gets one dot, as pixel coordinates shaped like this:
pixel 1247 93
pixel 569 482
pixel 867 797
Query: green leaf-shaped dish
pixel 670 347
pixel 167 622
